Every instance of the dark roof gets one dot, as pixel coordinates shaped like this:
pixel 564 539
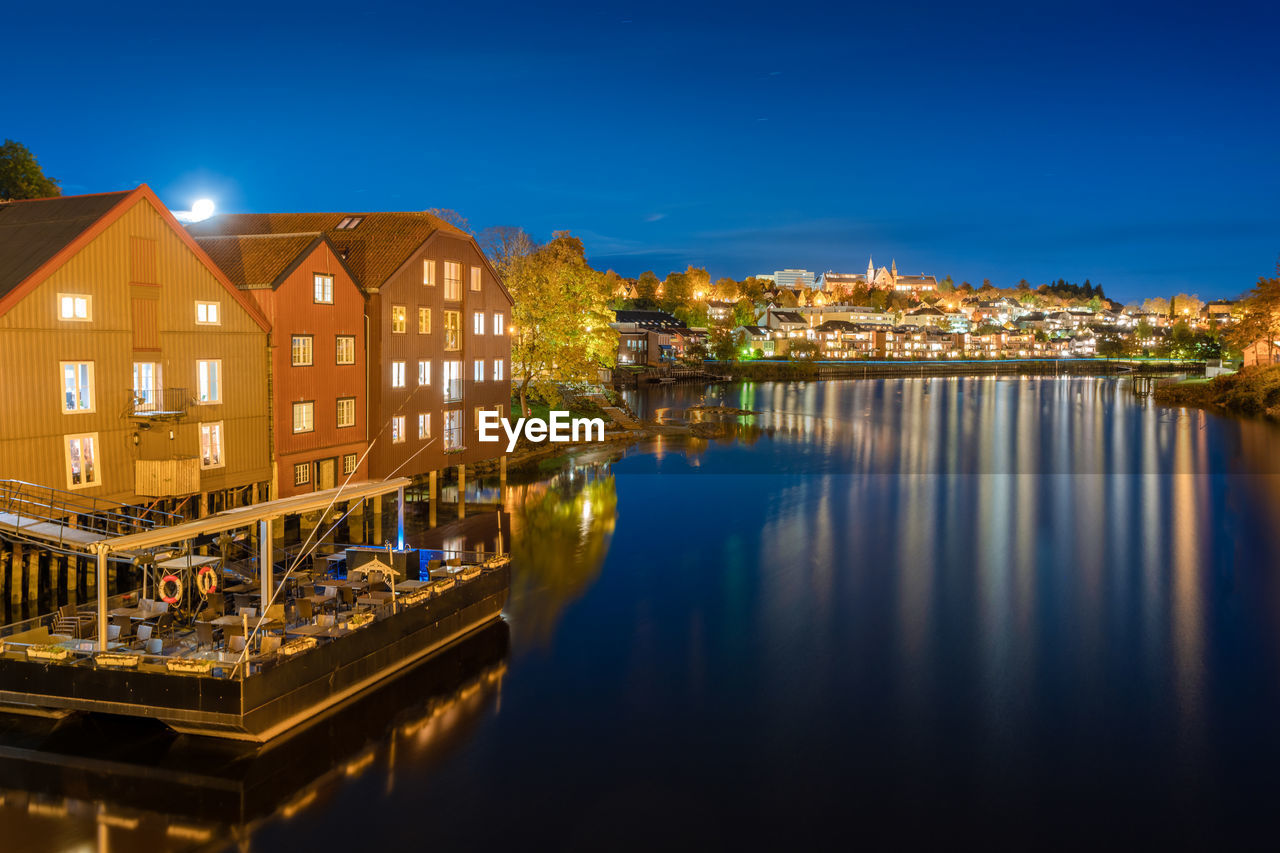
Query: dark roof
pixel 789 317
pixel 756 331
pixel 926 310
pixel 374 249
pixel 659 318
pixel 838 326
pixel 258 260
pixel 32 232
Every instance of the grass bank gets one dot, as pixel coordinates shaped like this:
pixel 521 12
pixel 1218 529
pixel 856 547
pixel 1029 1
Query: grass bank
pixel 1252 391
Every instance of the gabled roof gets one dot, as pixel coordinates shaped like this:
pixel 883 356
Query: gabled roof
pixel 263 260
pixel 790 317
pixel 755 331
pixel 926 311
pixel 61 227
pixel 33 232
pixel 374 249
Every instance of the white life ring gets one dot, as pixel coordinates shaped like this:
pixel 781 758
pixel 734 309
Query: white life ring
pixel 207 580
pixel 170 589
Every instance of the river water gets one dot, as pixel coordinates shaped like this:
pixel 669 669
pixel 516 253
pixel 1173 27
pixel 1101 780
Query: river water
pixel 1042 611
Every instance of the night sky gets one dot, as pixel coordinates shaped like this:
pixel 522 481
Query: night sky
pixel 1133 146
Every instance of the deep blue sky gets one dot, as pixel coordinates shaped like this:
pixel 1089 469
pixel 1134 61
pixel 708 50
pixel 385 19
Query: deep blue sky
pixel 1133 145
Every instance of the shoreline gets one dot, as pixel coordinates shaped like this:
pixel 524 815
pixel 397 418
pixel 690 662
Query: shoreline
pixel 1252 392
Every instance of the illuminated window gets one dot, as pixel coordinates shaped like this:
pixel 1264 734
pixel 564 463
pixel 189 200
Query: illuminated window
pixel 77 387
pixel 499 369
pixel 211 445
pixel 397 429
pixel 346 412
pixel 452 330
pixel 209 381
pixel 453 430
pixel 304 417
pixel 424 426
pixel 397 319
pixel 477 323
pixel 207 314
pixel 499 323
pixel 429 273
pixel 452 281
pixel 323 289
pixel 75 306
pixel 82 460
pixel 477 370
pixel 346 349
pixel 452 381
pixel 424 321
pixel 146 386
pixel 302 345
pixel 302 473
pixel 475 278
pixel 424 373
pixel 397 374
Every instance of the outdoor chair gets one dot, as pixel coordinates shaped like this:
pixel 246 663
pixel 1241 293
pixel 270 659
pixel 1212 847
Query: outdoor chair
pixel 453 563
pixel 155 645
pixel 237 643
pixel 326 620
pixel 124 626
pixel 243 601
pixel 164 623
pixel 204 634
pixel 113 633
pixel 275 613
pixel 270 644
pixel 251 612
pixel 434 564
pixel 144 632
pixel 348 597
pixel 304 610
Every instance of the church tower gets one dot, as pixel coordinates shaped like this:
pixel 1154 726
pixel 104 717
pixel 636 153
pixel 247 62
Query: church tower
pixel 893 271
pixel 871 272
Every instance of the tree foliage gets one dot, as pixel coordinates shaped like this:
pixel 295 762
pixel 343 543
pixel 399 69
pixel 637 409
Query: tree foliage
pixel 21 176
pixel 560 330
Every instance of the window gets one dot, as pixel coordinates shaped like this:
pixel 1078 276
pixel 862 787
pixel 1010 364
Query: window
pixel 349 463
pixel 75 306
pixel 424 426
pixel 304 417
pixel 349 222
pixel 499 323
pixel 146 386
pixel 452 430
pixel 211 445
pixel 475 278
pixel 77 387
pixel 452 281
pixel 429 273
pixel 453 330
pixel 346 412
pixel 345 346
pixel 397 429
pixel 397 374
pixel 424 321
pixel 324 289
pixel 499 369
pixel 207 314
pixel 477 323
pixel 82 461
pixel 302 473
pixel 302 350
pixel 424 373
pixel 477 370
pixel 209 380
pixel 397 319
pixel 452 381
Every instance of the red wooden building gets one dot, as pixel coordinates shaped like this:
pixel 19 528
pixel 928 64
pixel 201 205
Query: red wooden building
pixel 317 354
pixel 438 347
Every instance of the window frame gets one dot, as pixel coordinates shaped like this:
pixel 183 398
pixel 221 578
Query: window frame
pixel 424 420
pixel 217 313
pixel 298 468
pixel 397 429
pixel 309 342
pixel 499 323
pixel 477 370
pixel 477 279
pixel 88 307
pixel 218 428
pixel 217 383
pixel 92 383
pixel 354 460
pixel 304 406
pixel 453 336
pixel 92 437
pixel 424 320
pixel 402 321
pixel 337 349
pixel 397 367
pixel 428 272
pixel 499 370
pixel 316 279
pixel 424 372
pixel 477 322
pixel 338 414
pixel 453 286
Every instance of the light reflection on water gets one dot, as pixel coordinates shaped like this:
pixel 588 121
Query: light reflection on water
pixel 1034 608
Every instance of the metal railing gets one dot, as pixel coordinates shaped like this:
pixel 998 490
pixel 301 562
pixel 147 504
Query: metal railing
pixel 67 510
pixel 158 402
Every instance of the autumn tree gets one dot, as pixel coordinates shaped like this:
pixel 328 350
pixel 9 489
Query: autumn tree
pixel 453 217
pixel 647 286
pixel 21 176
pixel 560 328
pixel 1259 317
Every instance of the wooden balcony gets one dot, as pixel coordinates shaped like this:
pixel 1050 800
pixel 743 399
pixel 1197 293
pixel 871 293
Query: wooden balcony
pixel 167 478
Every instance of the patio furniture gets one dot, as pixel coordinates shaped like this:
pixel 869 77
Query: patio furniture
pixel 304 609
pixel 123 625
pixel 270 645
pixel 347 595
pixel 144 632
pixel 155 645
pixel 205 635
pixel 236 643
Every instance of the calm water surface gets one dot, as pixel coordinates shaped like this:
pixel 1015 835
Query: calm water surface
pixel 1040 610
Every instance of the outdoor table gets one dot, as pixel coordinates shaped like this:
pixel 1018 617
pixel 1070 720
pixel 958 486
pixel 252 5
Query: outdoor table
pixel 411 586
pixel 322 602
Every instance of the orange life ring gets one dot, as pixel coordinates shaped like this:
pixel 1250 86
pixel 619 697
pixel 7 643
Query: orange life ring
pixel 207 580
pixel 174 595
